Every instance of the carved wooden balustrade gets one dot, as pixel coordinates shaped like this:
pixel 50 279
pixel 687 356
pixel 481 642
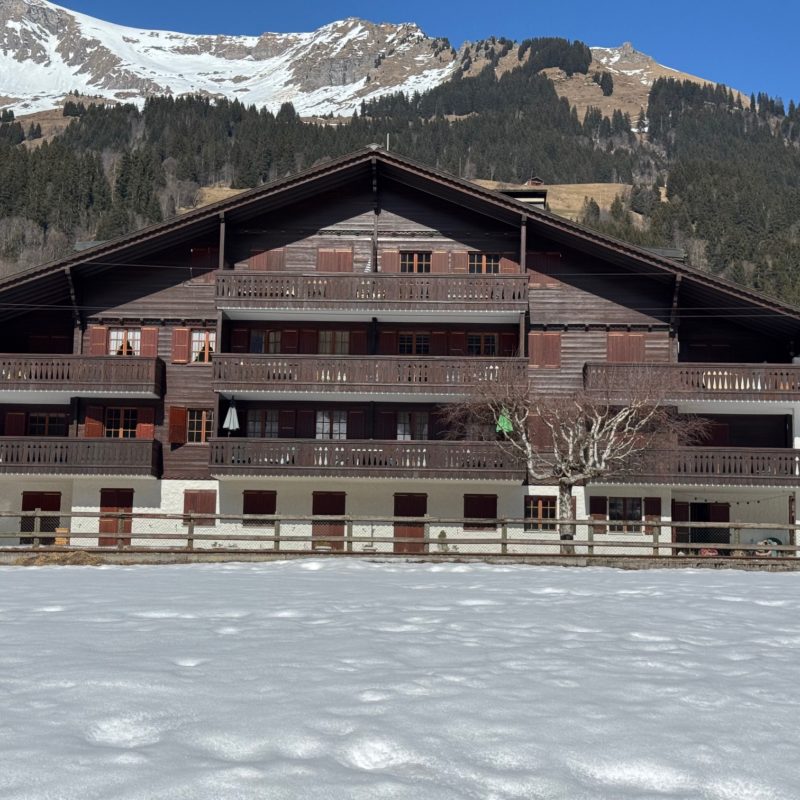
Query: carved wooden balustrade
pixel 234 373
pixel 65 456
pixel 367 459
pixel 82 375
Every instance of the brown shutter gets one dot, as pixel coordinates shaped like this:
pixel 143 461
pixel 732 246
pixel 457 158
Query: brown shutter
pixel 385 425
pixel 98 340
pixel 290 341
pixel 355 425
pixel 358 343
pixel 15 423
pixel 460 261
pixel 544 349
pixel 439 343
pixel 508 264
pixel 240 340
pixel 458 343
pixel 326 260
pixel 509 344
pixel 145 423
pixel 200 502
pixel 387 343
pixel 306 424
pixel 480 506
pixel 286 418
pixel 259 502
pixel 541 268
pixel 681 512
pixel 625 348
pixel 180 345
pixel 93 422
pixel 344 260
pixel 150 342
pixel 204 257
pixel 177 425
pixel 267 260
pixel 440 263
pixel 308 342
pixel 598 509
pixel 390 261
pixel 652 513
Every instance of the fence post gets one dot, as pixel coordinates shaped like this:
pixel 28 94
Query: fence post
pixel 120 526
pixel 277 530
pixel 654 534
pixel 349 534
pixel 504 537
pixel 590 540
pixel 190 533
pixel 37 529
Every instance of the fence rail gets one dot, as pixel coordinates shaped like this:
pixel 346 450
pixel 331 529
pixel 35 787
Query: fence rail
pixel 406 536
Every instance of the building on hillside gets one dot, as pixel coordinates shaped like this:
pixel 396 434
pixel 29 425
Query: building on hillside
pixel 331 315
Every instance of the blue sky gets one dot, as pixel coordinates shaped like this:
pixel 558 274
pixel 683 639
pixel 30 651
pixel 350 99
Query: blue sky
pixel 750 46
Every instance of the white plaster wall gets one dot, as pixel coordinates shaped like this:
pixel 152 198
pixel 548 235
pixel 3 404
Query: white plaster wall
pixel 11 489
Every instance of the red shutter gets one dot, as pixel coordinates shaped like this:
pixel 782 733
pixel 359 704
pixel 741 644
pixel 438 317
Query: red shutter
pixel 460 261
pixel 145 423
pixel 150 342
pixel 93 422
pixel 390 261
pixel 15 423
pixel 290 341
pixel 598 509
pixel 240 340
pixel 286 427
pixel 267 260
pixel 508 264
pixel 544 349
pixel 259 502
pixel 200 502
pixel 306 424
pixel 355 425
pixel 440 263
pixel 204 257
pixel 308 342
pixel 458 343
pixel 98 340
pixel 652 513
pixel 344 260
pixel 387 343
pixel 358 343
pixel 439 343
pixel 177 425
pixel 180 345
pixel 509 344
pixel 385 425
pixel 681 512
pixel 326 260
pixel 625 348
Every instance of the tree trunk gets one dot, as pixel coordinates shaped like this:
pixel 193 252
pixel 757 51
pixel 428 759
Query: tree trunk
pixel 566 530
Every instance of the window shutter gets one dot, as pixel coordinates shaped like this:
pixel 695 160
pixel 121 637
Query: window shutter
pixel 93 422
pixel 544 349
pixel 625 348
pixel 387 343
pixel 458 343
pixel 200 502
pixel 326 260
pixel 204 257
pixel 344 260
pixel 540 267
pixel 681 512
pixel 150 342
pixel 267 260
pixel 259 502
pixel 145 423
pixel 358 343
pixel 439 343
pixel 509 344
pixel 508 264
pixel 390 261
pixel 98 340
pixel 276 259
pixel 290 341
pixel 385 425
pixel 461 262
pixel 15 423
pixel 308 342
pixel 177 425
pixel 440 263
pixel 355 425
pixel 180 345
pixel 480 506
pixel 652 513
pixel 240 340
pixel 306 424
pixel 286 419
pixel 598 509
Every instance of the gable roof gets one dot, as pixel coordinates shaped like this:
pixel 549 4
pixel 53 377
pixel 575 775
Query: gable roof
pixel 374 161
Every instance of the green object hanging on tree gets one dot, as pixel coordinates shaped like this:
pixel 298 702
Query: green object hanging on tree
pixel 504 423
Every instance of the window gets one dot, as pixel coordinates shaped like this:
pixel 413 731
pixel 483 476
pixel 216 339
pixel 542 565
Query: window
pixel 482 344
pixel 121 423
pixel 411 261
pixel 258 502
pixel 484 263
pixel 334 342
pixel 480 507
pixel 625 509
pixel 125 341
pixel 204 343
pixel 263 424
pixel 414 344
pixel 331 425
pixel 412 425
pixel 538 512
pixel 262 341
pixel 199 425
pixel 47 425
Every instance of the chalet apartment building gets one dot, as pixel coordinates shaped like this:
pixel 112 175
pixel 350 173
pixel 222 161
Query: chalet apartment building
pixel 338 310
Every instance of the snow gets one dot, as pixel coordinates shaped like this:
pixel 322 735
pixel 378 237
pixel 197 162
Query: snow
pixel 339 679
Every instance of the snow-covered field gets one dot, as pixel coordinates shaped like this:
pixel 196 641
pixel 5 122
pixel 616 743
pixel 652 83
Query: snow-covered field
pixel 346 680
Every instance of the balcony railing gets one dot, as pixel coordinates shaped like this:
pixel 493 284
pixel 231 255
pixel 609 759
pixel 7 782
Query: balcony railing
pixel 63 456
pixel 364 459
pixel 372 291
pixel 700 381
pixel 363 374
pixel 85 376
pixel 740 466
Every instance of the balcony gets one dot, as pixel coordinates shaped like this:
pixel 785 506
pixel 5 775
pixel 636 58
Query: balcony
pixel 708 382
pixel 428 378
pixel 33 455
pixel 56 379
pixel 247 295
pixel 718 466
pixel 363 459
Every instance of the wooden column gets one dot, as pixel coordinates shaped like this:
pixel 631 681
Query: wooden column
pixel 376 206
pixel 522 336
pixel 221 262
pixel 523 245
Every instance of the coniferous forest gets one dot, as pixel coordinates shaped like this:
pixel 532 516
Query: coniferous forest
pixel 711 173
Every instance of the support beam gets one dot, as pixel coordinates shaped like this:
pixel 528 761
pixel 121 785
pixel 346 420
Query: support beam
pixel 673 316
pixel 523 245
pixel 522 328
pixel 221 263
pixel 376 208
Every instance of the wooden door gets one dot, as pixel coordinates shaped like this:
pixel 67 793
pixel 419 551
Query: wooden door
pixel 410 505
pixel 40 501
pixel 329 531
pixel 115 501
